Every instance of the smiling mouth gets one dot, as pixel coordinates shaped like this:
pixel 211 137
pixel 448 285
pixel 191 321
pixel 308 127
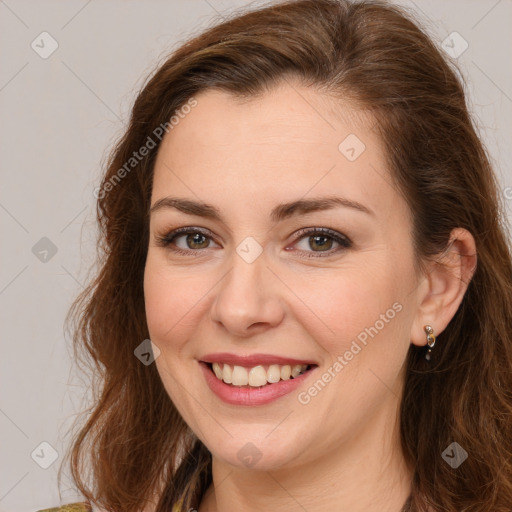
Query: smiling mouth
pixel 257 376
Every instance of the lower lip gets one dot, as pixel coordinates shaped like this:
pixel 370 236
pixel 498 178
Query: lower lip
pixel 251 395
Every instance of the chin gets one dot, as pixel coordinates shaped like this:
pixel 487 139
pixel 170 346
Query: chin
pixel 254 452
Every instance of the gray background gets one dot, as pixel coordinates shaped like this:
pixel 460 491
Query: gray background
pixel 60 117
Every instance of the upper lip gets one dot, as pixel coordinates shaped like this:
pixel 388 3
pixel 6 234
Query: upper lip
pixel 252 359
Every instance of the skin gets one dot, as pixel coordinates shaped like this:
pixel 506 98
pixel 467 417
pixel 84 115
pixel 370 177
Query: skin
pixel 341 450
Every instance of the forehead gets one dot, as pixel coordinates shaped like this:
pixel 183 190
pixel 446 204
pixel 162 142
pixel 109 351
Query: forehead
pixel 291 140
pixel 287 114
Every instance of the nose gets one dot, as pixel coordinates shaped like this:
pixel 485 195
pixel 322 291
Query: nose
pixel 249 299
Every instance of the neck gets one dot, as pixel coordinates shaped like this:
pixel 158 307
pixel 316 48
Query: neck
pixel 367 473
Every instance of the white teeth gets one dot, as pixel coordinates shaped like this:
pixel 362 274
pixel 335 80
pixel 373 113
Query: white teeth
pixel 296 369
pixel 240 376
pixel 273 373
pixel 227 374
pixel 256 376
pixel 286 372
pixel 217 370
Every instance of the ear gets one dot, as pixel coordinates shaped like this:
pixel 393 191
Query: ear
pixel 444 285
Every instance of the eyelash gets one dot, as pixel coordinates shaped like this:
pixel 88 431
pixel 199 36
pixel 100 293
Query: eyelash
pixel 344 242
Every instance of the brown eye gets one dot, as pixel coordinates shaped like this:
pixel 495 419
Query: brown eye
pixel 320 240
pixel 196 241
pixel 322 243
pixel 186 241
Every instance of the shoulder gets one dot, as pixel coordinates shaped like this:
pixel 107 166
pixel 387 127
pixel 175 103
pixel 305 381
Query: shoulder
pixel 71 507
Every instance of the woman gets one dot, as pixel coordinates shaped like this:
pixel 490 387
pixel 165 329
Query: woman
pixel 304 222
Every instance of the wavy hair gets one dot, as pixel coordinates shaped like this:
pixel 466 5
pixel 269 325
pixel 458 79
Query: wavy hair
pixel 133 449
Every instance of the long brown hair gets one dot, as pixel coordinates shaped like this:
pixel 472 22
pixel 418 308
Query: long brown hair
pixel 135 449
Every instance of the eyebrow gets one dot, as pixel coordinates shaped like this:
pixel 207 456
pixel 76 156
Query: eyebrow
pixel 280 212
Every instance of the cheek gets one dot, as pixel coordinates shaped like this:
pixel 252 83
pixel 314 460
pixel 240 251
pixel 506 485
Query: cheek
pixel 172 303
pixel 173 300
pixel 364 323
pixel 165 299
pixel 352 303
pixel 156 299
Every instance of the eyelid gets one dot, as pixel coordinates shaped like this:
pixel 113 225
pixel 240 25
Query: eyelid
pixel 167 238
pixel 342 240
pixel 301 233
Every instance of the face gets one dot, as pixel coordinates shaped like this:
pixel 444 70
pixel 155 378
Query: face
pixel 301 261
